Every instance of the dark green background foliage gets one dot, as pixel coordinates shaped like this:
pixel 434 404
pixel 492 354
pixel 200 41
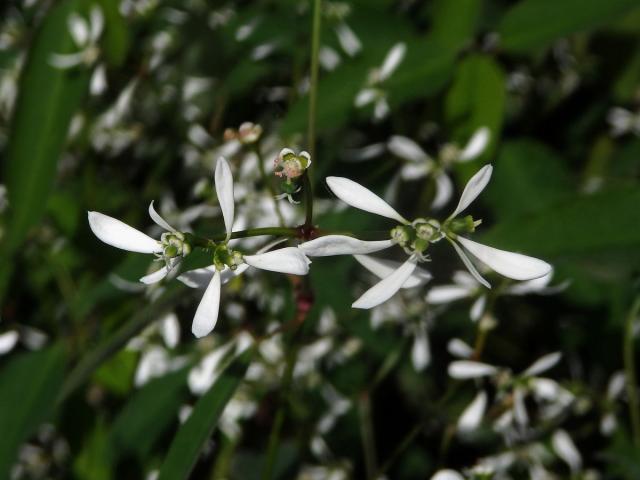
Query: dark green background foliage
pixel 543 75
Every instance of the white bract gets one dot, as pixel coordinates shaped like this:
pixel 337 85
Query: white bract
pixel 419 164
pixel 416 236
pixel 170 249
pixel 228 263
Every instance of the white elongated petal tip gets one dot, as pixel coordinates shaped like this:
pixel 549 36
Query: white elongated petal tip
pixel 447 475
pixel 155 216
pixel 509 264
pixel 224 191
pixel 473 188
pixel 476 145
pixel 360 197
pixel 465 369
pixel 341 245
pixel 120 235
pixel 472 415
pixel 543 364
pixel 207 312
pixel 290 260
pixel 384 268
pixel 407 149
pixel 386 288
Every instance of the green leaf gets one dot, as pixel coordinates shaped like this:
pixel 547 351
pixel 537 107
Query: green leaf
pixel 455 21
pixel 476 99
pixel 188 442
pixel 603 222
pixel 116 38
pixel 148 413
pixel 47 100
pixel 528 177
pixel 93 461
pixel 29 384
pixel 531 24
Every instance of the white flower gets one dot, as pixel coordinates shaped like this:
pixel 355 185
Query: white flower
pixel 85 35
pixel 415 238
pixel 372 93
pixel 228 263
pixel 565 449
pixel 419 164
pixel 466 286
pixel 171 247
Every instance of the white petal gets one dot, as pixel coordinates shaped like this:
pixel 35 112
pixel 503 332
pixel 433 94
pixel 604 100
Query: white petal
pixel 616 385
pixel 477 309
pixel 341 245
pixel 349 42
pixel 170 329
pixel 530 286
pixel 543 364
pixel 415 171
pixel 200 277
pixel 473 188
pixel 98 80
pixel 79 29
pixel 565 449
pixel 8 340
pixel 545 389
pixel 407 149
pixel 458 348
pixel 444 191
pixel 384 268
pixel 284 260
pixel 519 408
pixel 447 294
pixel 472 415
pixel 476 145
pixel 158 275
pixel 392 61
pixel 360 197
pixel 469 264
pixel 464 369
pixel 120 235
pixel 386 288
pixel 365 97
pixel 155 216
pixel 97 23
pixel 381 108
pixel 509 264
pixel 207 313
pixel 63 61
pixel 420 352
pixel 447 475
pixel 224 190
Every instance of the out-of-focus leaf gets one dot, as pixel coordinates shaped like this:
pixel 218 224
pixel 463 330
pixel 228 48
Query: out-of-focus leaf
pixel 568 227
pixel 93 461
pixel 116 375
pixel 528 177
pixel 477 98
pixel 28 385
pixel 455 21
pixel 532 24
pixel 116 38
pixel 148 413
pixel 47 99
pixel 188 442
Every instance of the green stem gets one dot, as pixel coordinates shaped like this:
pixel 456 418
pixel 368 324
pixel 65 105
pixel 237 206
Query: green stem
pixel 366 433
pixel 313 102
pixel 402 446
pixel 630 371
pixel 276 429
pixel 313 87
pixel 269 185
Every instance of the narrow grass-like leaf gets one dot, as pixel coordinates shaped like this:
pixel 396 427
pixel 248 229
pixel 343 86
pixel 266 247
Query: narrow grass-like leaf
pixel 188 442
